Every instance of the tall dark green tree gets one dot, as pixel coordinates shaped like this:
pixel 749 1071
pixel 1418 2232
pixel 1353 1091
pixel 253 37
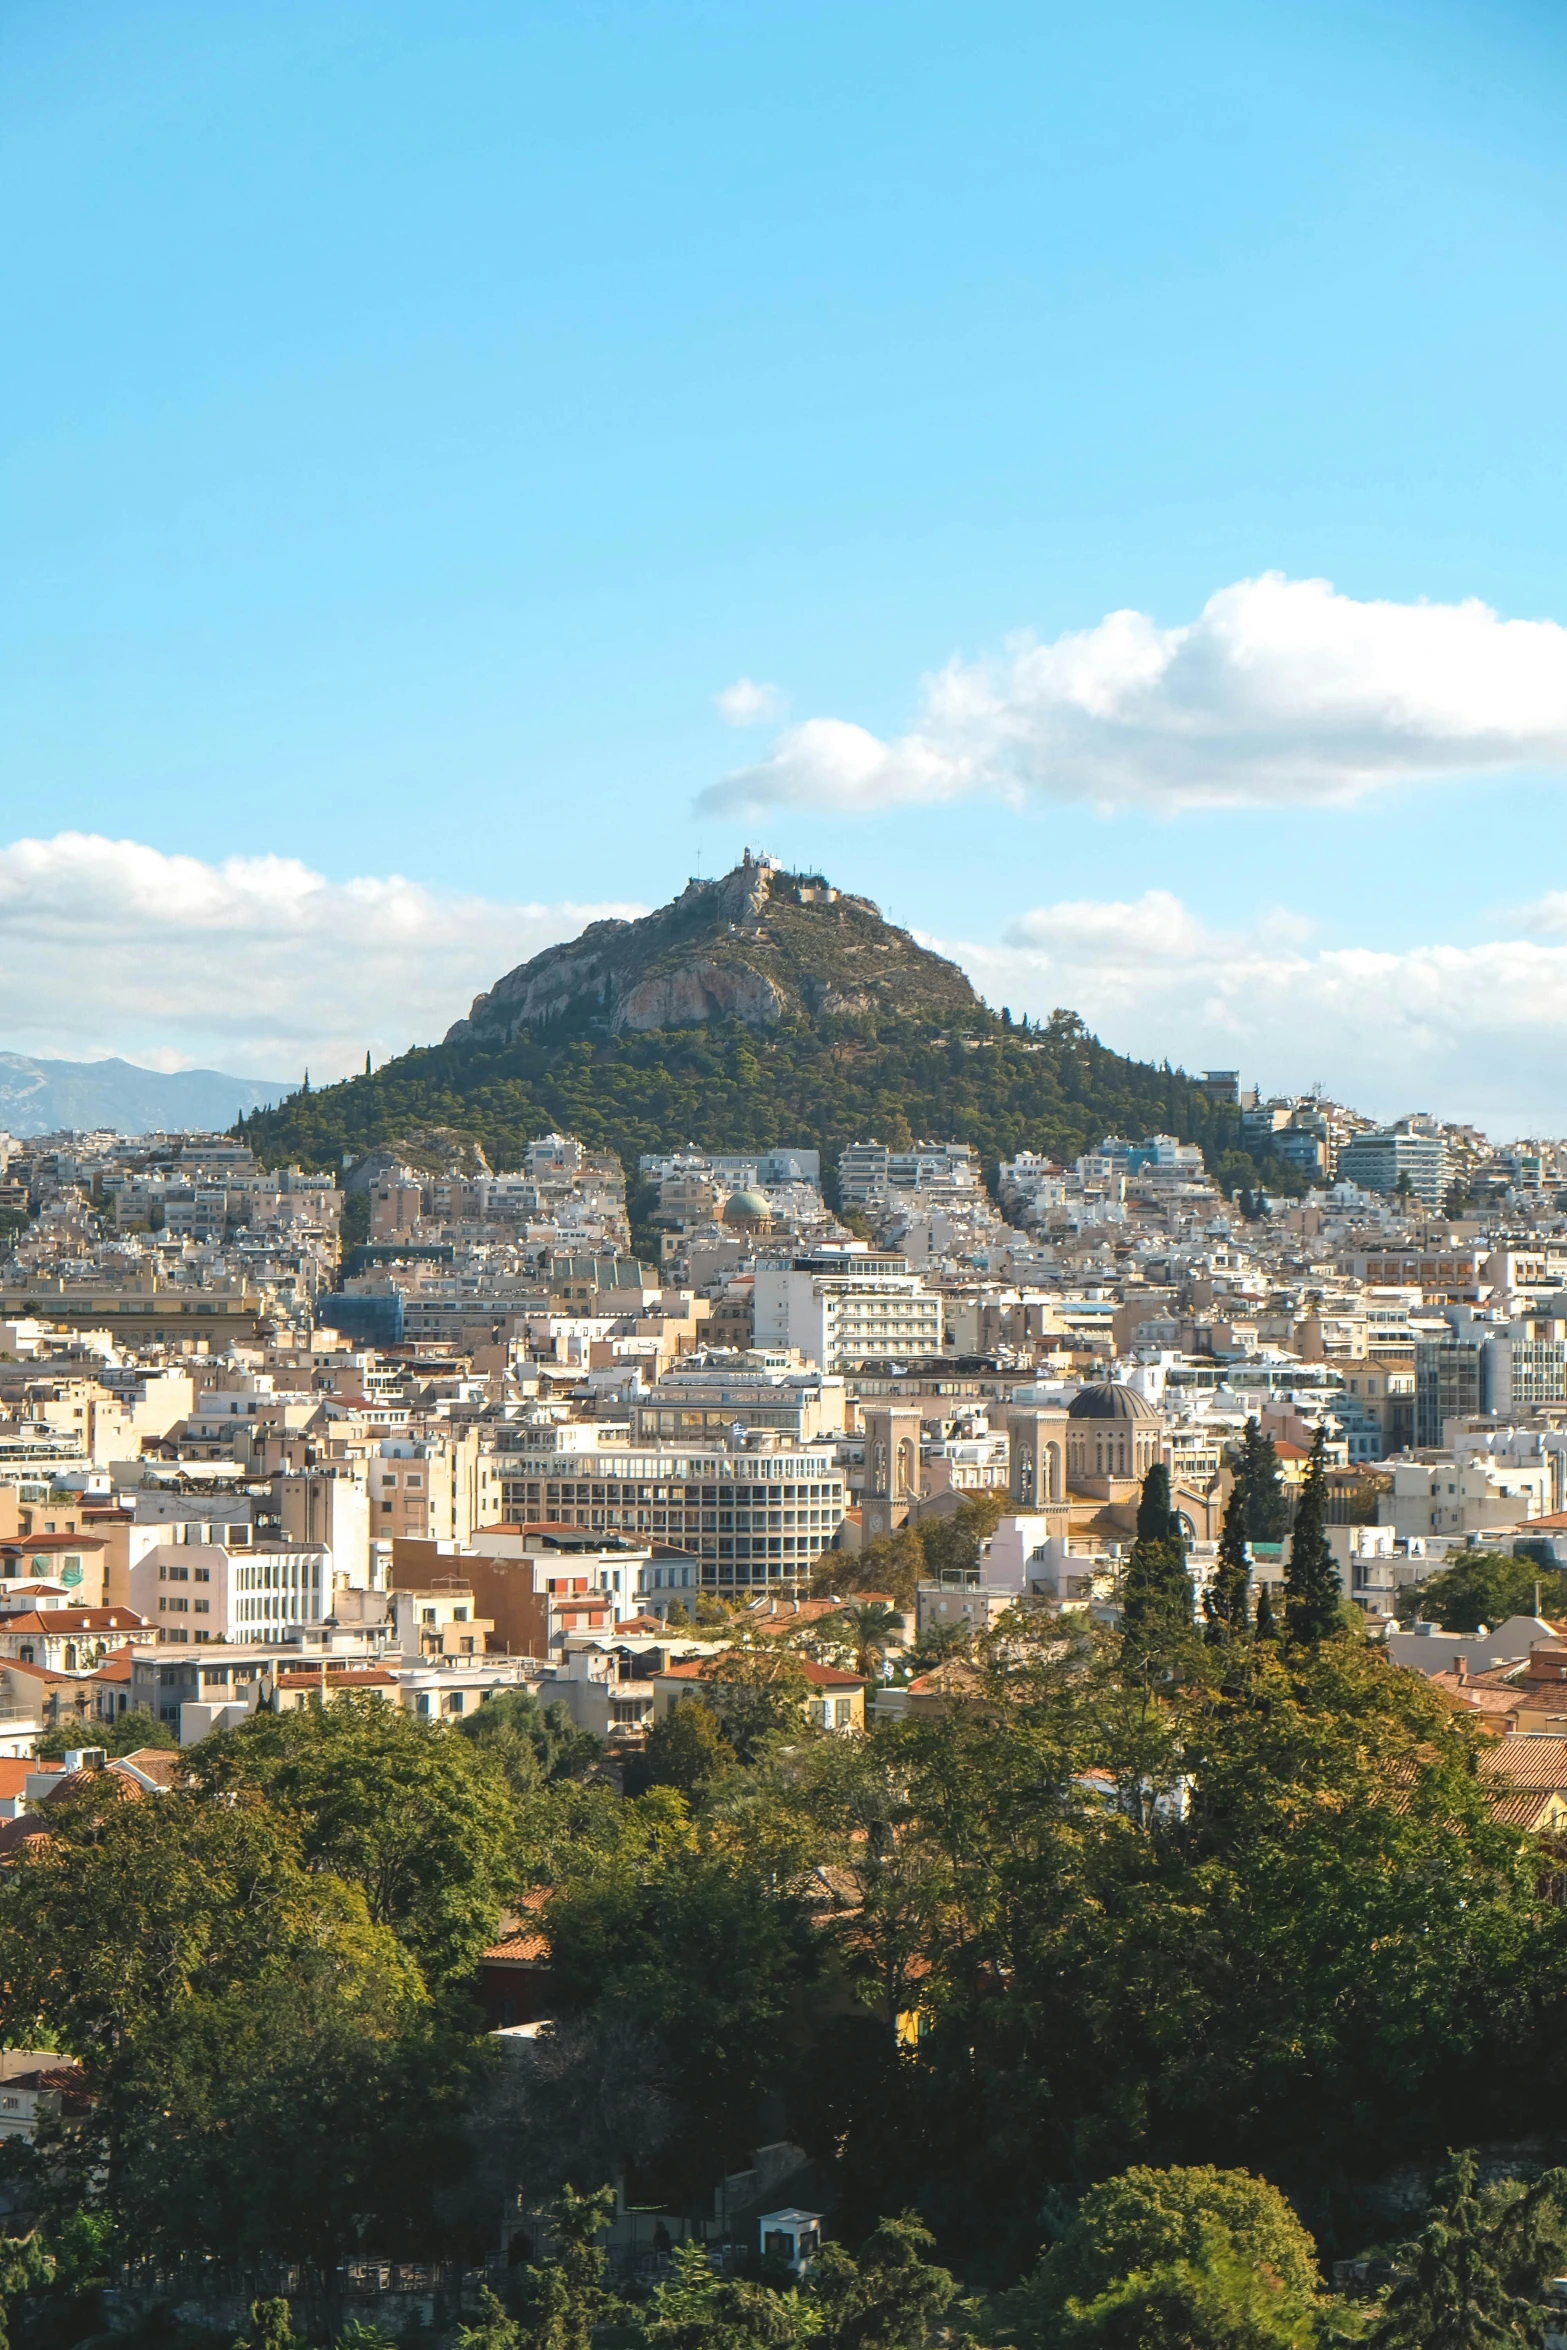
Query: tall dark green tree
pixel 1156 1518
pixel 1313 1587
pixel 1267 1622
pixel 1226 1603
pixel 1258 1479
pixel 1156 1592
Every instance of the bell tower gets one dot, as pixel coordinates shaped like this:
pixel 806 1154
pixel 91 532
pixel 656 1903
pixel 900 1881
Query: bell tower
pixel 1036 1442
pixel 892 1466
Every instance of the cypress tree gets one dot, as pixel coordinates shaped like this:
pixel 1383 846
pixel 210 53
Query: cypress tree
pixel 1258 1477
pixel 1313 1588
pixel 1225 1602
pixel 1267 1627
pixel 1156 1594
pixel 1156 1518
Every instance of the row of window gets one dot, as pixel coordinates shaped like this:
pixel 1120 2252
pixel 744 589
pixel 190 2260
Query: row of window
pixel 280 1574
pixel 708 1497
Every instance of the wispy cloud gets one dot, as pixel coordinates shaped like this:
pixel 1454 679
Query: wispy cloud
pixel 257 965
pixel 1475 1031
pixel 749 703
pixel 1279 691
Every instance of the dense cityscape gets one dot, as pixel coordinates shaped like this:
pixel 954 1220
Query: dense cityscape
pixel 783 1176
pixel 574 1575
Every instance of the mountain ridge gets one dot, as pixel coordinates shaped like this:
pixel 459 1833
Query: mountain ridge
pixel 47 1096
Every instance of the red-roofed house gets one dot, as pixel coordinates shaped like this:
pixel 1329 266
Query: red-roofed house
pixel 71 1639
pixel 514 1984
pixel 35 2082
pixel 834 1700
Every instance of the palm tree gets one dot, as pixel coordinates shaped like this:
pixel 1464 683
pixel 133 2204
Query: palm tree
pixel 868 1628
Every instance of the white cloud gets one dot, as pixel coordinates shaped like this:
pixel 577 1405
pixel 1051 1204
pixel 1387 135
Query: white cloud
pixel 748 703
pixel 1547 914
pixel 1468 1031
pixel 1279 691
pixel 258 965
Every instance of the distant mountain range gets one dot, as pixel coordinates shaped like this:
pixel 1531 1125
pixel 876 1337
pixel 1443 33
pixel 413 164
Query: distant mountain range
pixel 41 1097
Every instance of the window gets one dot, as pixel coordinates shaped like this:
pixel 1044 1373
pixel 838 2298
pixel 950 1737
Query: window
pixel 204 1574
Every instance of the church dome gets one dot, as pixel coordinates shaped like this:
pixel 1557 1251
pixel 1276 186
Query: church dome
pixel 1110 1399
pixel 747 1207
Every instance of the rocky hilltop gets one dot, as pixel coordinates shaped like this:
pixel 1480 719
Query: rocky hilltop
pixel 760 945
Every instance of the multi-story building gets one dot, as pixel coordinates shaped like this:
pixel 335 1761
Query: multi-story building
pixel 748 1513
pixel 843 1305
pixel 704 1398
pixel 199 1593
pixel 1451 1383
pixel 1528 1364
pixel 869 1170
pixel 1412 1154
pixel 424 1485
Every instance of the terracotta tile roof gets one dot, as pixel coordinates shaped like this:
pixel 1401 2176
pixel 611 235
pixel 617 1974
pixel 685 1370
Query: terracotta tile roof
pixel 524 1948
pixel 16 1543
pixel 520 1941
pixel 1529 1810
pixel 1526 1762
pixel 14 1834
pixel 953 1679
pixel 71 1782
pixel 702 1668
pixel 157 1763
pixel 76 1619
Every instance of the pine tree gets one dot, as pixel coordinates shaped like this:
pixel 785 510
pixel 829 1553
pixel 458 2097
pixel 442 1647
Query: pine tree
pixel 1258 1478
pixel 1313 1588
pixel 1267 1625
pixel 1225 1602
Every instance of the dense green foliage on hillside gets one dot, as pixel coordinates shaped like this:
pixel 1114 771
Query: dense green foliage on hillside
pixel 1002 1087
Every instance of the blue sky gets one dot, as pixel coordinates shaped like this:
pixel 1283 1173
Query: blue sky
pixel 415 418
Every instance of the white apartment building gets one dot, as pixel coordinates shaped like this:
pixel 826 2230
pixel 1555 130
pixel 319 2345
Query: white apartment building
pixel 845 1305
pixel 197 1593
pixel 758 1513
pixel 1459 1498
pixel 868 1170
pixel 1414 1148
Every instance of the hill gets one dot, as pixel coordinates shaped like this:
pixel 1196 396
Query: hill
pixel 755 1011
pixel 760 945
pixel 42 1097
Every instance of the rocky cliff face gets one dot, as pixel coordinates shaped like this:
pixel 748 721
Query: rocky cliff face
pixel 759 945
